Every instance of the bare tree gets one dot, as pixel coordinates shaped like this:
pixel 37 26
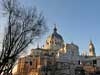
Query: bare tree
pixel 23 26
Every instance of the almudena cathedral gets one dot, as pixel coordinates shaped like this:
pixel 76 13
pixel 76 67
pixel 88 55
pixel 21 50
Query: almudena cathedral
pixel 59 58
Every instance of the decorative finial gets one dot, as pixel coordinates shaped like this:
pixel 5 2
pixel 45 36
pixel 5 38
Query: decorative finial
pixel 37 45
pixel 72 42
pixel 55 29
pixel 90 41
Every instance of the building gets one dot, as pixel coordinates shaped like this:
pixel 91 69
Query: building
pixel 55 58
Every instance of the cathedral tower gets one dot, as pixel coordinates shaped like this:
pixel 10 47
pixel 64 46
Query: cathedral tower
pixel 91 49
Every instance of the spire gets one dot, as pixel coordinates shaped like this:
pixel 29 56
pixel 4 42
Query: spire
pixel 37 45
pixel 55 29
pixel 90 42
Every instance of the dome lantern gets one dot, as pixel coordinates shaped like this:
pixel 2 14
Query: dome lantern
pixel 55 29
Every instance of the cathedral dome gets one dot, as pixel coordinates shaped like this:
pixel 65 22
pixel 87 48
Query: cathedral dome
pixel 55 40
pixel 55 36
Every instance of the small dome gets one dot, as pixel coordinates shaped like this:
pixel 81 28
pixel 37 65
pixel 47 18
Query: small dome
pixel 55 39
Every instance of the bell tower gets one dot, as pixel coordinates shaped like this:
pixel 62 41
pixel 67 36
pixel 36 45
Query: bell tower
pixel 91 49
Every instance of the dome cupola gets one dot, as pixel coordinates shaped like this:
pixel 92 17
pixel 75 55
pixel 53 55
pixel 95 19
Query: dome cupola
pixel 55 40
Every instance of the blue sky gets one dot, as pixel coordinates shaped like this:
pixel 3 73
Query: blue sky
pixel 77 21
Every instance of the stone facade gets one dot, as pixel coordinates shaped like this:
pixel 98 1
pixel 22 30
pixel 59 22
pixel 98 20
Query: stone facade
pixel 55 58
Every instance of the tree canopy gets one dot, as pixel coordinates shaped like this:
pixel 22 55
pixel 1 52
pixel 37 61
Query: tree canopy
pixel 23 26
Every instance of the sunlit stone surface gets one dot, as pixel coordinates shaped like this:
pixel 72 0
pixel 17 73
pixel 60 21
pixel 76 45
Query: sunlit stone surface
pixel 57 58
